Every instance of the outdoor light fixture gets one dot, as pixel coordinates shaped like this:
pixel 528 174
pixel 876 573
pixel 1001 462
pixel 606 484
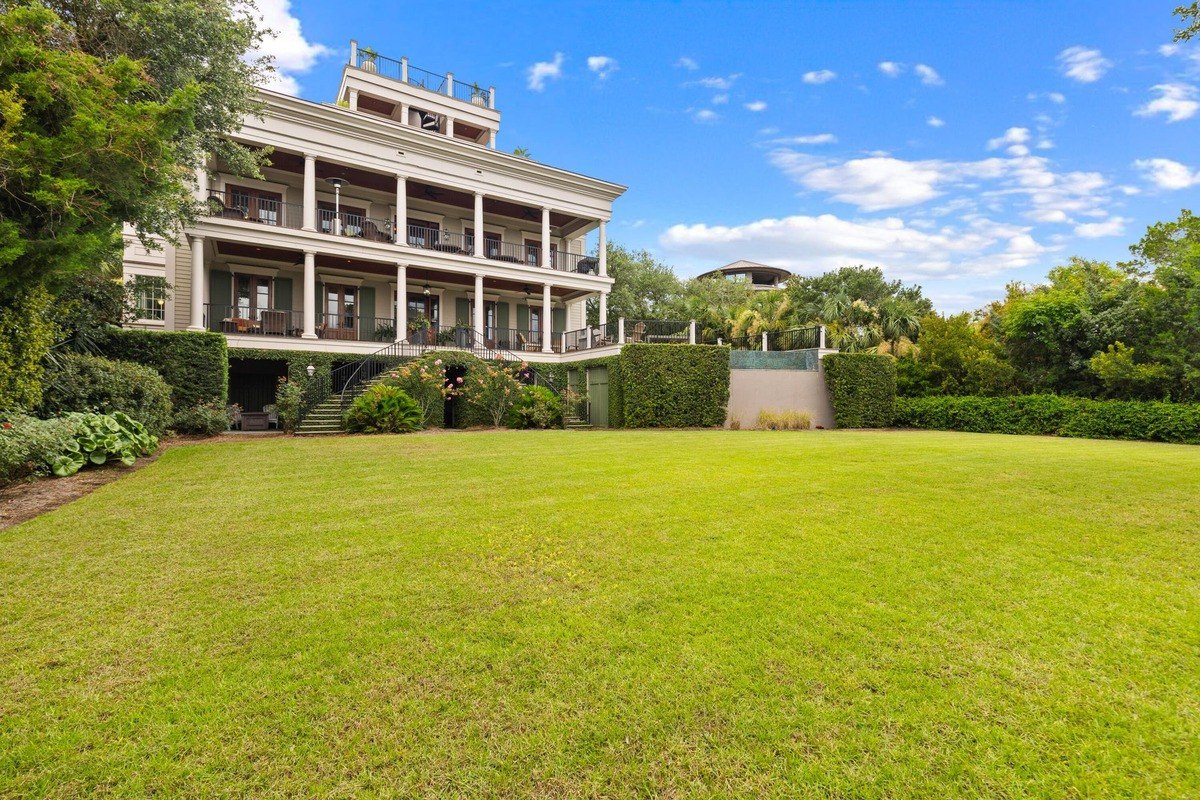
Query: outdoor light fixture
pixel 426 290
pixel 310 369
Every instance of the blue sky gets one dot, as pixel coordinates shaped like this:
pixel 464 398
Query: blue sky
pixel 957 145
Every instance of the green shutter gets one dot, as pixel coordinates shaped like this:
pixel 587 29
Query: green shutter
pixel 366 313
pixel 220 289
pixel 559 315
pixel 283 294
pixel 502 316
pixel 522 317
pixel 462 312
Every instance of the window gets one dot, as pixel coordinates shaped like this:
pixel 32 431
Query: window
pixel 150 296
pixel 535 325
pixel 256 204
pixel 251 295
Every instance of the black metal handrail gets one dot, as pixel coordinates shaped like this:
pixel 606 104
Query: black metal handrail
pixel 252 208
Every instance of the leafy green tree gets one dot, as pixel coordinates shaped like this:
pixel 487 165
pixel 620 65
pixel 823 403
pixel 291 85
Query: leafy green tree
pixel 828 297
pixel 643 287
pixel 715 303
pixel 27 332
pixel 955 356
pixel 1190 15
pixel 1170 335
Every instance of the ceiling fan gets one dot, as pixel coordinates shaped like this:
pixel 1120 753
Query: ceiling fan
pixel 431 193
pixel 430 122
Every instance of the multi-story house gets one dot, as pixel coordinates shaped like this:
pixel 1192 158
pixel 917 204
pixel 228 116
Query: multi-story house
pixel 388 215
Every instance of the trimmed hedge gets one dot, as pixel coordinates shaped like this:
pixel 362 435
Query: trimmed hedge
pixel 674 385
pixel 616 389
pixel 194 363
pixel 1054 416
pixel 862 389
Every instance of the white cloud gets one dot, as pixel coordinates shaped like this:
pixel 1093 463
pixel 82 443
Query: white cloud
pixel 1167 174
pixel 705 115
pixel 1176 100
pixel 687 63
pixel 1015 139
pixel 1168 50
pixel 872 184
pixel 1097 230
pixel 807 243
pixel 819 76
pixel 720 99
pixel 603 66
pixel 543 71
pixel 292 54
pixel 1058 98
pixel 891 68
pixel 816 138
pixel 928 75
pixel 1083 64
pixel 935 122
pixel 756 106
pixel 719 83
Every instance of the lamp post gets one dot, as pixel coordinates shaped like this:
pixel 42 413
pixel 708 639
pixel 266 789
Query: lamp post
pixel 337 184
pixel 311 370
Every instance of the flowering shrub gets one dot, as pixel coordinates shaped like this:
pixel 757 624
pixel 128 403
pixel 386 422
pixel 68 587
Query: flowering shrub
pixel 536 407
pixel 492 388
pixel 426 383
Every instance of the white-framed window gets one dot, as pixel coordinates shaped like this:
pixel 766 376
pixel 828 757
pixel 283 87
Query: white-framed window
pixel 150 297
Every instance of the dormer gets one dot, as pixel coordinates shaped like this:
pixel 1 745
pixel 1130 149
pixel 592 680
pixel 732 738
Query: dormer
pixel 441 105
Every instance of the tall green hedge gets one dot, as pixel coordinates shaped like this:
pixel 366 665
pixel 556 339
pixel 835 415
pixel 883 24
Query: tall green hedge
pixel 616 393
pixel 194 363
pixel 1055 416
pixel 862 389
pixel 674 385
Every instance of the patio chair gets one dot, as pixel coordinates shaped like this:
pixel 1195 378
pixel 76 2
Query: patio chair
pixel 371 232
pixel 638 333
pixel 274 323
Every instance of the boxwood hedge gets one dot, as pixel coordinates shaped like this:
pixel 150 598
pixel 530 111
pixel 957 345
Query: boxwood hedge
pixel 1055 416
pixel 194 363
pixel 674 385
pixel 862 389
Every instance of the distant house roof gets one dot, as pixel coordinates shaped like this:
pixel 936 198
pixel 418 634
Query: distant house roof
pixel 774 275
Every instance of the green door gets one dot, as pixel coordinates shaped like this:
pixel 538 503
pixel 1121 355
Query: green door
pixel 597 392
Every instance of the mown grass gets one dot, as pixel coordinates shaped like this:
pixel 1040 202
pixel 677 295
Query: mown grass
pixel 658 614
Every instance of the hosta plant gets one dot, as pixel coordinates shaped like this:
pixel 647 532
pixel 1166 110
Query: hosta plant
pixel 99 437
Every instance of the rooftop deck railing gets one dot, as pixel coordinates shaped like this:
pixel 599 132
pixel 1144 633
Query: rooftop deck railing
pixel 471 92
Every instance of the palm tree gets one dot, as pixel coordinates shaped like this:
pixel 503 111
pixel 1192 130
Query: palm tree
pixel 898 320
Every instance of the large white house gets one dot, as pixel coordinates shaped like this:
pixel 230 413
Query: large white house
pixel 387 215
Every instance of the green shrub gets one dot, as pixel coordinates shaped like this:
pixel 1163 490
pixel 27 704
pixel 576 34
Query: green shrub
pixel 536 407
pixel 194 363
pixel 206 419
pixel 423 380
pixel 862 389
pixel 384 409
pixel 1055 415
pixel 28 445
pixel 99 437
pixel 26 334
pixel 673 385
pixel 287 404
pixel 76 382
pixel 491 389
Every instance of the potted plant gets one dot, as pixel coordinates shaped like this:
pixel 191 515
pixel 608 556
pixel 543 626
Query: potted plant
pixel 367 64
pixel 478 96
pixel 385 331
pixel 418 328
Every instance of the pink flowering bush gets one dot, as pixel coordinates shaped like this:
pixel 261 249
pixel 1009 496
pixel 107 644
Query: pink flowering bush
pixel 425 383
pixel 492 389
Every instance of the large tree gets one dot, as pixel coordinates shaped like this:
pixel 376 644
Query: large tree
pixel 106 109
pixel 643 287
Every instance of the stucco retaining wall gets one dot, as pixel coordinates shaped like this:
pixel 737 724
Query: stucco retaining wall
pixel 754 390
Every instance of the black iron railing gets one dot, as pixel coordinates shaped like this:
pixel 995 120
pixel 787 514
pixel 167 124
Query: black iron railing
pixel 251 208
pixel 657 331
pixel 247 321
pixel 355 328
pixel 357 226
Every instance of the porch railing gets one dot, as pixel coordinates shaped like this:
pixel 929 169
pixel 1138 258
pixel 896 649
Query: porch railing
pixel 345 223
pixel 591 337
pixel 657 331
pixel 355 328
pixel 248 208
pixel 575 262
pixel 246 321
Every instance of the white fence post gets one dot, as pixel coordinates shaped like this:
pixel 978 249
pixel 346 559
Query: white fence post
pixel 620 330
pixel 764 341
pixel 692 332
pixel 821 343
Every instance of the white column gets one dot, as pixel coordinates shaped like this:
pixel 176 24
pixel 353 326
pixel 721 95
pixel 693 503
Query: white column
pixel 450 127
pixel 478 225
pixel 547 319
pixel 692 332
pixel 603 249
pixel 492 101
pixel 202 181
pixel 764 341
pixel 450 84
pixel 546 238
pixel 620 330
pixel 401 210
pixel 492 140
pixel 479 307
pixel 353 53
pixel 309 213
pixel 310 295
pixel 197 284
pixel 404 113
pixel 401 302
pixel 354 99
pixel 404 68
pixel 821 343
pixel 604 308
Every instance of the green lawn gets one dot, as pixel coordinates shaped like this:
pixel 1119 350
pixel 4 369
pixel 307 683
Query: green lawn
pixel 657 614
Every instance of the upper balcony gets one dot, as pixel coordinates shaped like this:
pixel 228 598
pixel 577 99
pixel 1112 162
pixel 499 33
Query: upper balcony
pixel 438 103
